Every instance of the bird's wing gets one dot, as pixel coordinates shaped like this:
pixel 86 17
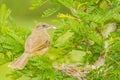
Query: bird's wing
pixel 39 47
pixel 36 43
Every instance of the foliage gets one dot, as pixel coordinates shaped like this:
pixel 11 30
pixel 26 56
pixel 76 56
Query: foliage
pixel 86 23
pixel 79 30
pixel 10 36
pixel 12 39
pixel 4 14
pixel 40 70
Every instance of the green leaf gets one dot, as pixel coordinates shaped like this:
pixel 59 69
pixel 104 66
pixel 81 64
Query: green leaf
pixel 49 12
pixel 37 3
pixel 4 13
pixel 62 39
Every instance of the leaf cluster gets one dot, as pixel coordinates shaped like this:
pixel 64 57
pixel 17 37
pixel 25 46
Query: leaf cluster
pixel 10 35
pixel 79 30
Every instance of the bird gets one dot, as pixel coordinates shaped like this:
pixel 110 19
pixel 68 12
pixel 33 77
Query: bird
pixel 37 43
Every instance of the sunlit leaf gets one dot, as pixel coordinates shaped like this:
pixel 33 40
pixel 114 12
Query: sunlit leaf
pixel 49 12
pixel 2 55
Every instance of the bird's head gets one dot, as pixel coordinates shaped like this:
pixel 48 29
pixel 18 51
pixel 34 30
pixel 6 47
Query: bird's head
pixel 45 26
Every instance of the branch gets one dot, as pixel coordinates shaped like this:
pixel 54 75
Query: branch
pixel 72 70
pixel 111 27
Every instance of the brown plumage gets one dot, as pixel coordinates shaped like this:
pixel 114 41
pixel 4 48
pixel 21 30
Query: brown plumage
pixel 37 43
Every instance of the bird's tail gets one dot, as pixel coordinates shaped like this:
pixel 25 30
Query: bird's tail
pixel 20 62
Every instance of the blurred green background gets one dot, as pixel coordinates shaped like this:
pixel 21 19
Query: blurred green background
pixel 23 16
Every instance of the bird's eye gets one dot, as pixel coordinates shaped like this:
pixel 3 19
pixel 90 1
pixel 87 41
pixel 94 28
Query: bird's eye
pixel 43 26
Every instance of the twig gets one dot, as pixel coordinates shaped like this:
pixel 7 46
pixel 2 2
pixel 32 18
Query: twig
pixel 72 70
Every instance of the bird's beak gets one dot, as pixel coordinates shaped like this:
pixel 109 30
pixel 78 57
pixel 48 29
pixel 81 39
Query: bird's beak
pixel 53 27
